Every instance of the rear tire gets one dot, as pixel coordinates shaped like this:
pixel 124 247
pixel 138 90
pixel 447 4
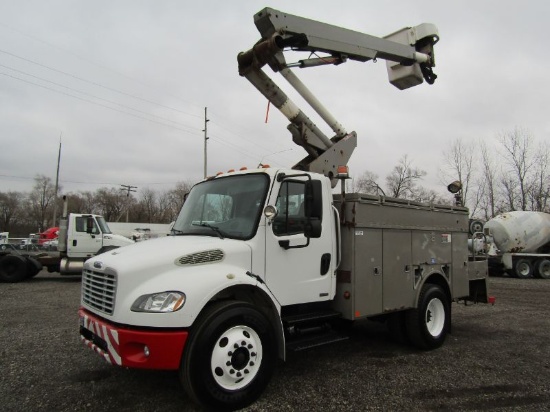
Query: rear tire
pixel 523 269
pixel 33 267
pixel 230 356
pixel 543 269
pixel 13 268
pixel 429 323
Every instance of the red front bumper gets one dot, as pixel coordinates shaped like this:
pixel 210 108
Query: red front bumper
pixel 132 347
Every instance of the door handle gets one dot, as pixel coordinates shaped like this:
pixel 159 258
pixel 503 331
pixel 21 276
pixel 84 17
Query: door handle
pixel 325 263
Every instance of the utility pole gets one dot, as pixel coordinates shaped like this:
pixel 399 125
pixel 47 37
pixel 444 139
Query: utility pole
pixel 128 189
pixel 206 120
pixel 54 222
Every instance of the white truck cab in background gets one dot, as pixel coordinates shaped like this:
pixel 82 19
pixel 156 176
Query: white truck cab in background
pixel 82 236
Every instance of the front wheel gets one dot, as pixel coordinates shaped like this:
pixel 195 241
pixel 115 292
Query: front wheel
pixel 230 356
pixel 429 323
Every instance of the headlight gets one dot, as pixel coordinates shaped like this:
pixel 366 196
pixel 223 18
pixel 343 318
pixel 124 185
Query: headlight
pixel 161 302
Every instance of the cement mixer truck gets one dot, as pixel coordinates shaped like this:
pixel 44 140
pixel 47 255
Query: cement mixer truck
pixel 519 244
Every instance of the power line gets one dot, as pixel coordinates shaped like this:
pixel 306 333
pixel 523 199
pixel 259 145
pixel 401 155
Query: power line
pixel 106 100
pixel 94 96
pixel 96 64
pixel 96 103
pixel 119 104
pixel 237 149
pixel 63 181
pixel 97 84
pixel 240 135
pixel 234 147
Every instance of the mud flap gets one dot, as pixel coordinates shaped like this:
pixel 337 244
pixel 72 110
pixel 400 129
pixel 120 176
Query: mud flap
pixel 478 291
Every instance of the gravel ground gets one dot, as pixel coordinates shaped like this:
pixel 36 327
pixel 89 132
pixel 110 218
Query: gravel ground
pixel 497 358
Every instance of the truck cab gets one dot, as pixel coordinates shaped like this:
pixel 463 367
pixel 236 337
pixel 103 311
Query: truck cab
pixel 82 236
pixel 254 240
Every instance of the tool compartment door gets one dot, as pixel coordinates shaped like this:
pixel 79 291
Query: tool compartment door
pixel 368 272
pixel 398 289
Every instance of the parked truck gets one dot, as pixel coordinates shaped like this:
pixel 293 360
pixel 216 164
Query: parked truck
pixel 268 260
pixel 81 236
pixel 140 231
pixel 52 233
pixel 519 244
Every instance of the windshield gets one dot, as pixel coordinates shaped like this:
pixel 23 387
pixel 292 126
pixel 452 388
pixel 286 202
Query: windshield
pixel 224 207
pixel 103 225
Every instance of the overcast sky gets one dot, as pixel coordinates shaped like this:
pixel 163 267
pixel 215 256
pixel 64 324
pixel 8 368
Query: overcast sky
pixel 125 83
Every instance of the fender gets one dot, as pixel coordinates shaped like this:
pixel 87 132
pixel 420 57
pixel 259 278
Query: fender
pixel 250 289
pixel 435 275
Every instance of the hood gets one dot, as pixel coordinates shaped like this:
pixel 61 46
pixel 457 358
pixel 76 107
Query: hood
pixel 112 239
pixel 164 254
pixel 198 266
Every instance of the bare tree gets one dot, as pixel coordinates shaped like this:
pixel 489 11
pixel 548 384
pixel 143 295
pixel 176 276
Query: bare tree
pixel 367 183
pixel 165 210
pixel 81 202
pixel 177 197
pixel 148 201
pixel 11 208
pixel 460 165
pixel 41 201
pixel 111 203
pixel 424 195
pixel 402 181
pixel 518 156
pixel 540 188
pixel 487 183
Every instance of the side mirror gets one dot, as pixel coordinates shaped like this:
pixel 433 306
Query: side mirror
pixel 313 229
pixel 90 225
pixel 313 201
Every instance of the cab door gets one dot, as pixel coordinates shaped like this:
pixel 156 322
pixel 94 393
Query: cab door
pixel 81 244
pixel 298 271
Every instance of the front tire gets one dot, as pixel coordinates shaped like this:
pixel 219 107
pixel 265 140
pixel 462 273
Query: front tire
pixel 429 323
pixel 230 356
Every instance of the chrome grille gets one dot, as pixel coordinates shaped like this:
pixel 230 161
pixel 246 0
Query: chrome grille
pixel 99 290
pixel 207 256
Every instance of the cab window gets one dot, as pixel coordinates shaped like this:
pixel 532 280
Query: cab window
pixel 80 224
pixel 291 218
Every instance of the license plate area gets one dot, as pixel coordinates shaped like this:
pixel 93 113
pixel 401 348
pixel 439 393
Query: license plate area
pixel 92 337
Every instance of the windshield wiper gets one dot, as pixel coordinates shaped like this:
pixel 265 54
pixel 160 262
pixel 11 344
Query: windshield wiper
pixel 214 228
pixel 176 231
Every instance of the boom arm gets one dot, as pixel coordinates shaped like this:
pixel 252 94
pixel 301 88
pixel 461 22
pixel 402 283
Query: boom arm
pixel 409 55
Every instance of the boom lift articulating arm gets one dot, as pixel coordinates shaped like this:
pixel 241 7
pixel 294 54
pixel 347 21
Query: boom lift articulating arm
pixel 408 52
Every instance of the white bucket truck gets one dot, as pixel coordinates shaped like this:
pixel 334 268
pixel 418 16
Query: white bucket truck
pixel 264 261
